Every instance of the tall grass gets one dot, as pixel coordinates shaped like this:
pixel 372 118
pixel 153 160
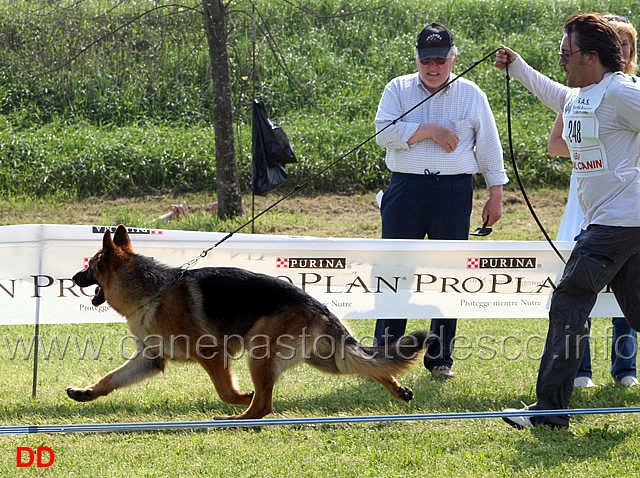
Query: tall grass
pixel 320 67
pixel 81 160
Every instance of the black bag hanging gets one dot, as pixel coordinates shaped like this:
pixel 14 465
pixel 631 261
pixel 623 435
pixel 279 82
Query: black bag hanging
pixel 271 150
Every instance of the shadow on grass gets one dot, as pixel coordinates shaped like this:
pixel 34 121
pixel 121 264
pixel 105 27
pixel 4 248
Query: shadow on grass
pixel 351 399
pixel 547 448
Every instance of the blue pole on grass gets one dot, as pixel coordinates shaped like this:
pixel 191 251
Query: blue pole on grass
pixel 155 426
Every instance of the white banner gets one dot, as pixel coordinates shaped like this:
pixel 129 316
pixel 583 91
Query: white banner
pixel 355 278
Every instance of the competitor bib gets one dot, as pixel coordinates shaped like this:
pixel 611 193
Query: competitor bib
pixel 582 130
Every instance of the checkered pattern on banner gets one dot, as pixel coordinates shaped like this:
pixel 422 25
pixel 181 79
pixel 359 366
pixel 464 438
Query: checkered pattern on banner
pixel 85 262
pixel 156 232
pixel 473 263
pixel 282 262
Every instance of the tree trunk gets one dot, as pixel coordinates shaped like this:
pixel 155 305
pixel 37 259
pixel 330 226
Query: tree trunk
pixel 228 187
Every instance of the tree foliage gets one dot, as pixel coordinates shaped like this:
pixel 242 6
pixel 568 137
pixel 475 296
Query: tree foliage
pixel 108 67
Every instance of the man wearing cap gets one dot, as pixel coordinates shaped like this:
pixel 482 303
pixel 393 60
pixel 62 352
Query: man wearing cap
pixel 433 152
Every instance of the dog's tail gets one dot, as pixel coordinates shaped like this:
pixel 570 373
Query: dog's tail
pixel 339 352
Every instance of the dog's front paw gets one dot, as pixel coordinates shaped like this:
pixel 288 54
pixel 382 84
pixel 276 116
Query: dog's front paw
pixel 405 393
pixel 80 394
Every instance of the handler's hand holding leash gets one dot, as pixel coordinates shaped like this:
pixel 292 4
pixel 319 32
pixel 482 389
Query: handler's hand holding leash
pixel 504 56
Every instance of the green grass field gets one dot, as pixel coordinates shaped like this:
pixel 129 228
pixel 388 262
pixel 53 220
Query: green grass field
pixel 595 445
pixel 124 131
pixel 496 366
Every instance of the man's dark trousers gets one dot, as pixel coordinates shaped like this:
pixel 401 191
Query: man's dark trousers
pixel 416 206
pixel 602 255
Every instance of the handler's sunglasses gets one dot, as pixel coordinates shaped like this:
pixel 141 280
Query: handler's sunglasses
pixel 438 60
pixel 565 57
pixel 616 18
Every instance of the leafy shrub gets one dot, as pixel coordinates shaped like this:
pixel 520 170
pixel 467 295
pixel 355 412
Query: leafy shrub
pixel 132 113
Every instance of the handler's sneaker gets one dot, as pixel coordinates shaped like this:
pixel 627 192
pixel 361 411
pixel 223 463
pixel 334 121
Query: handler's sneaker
pixel 629 381
pixel 518 422
pixel 584 382
pixel 442 372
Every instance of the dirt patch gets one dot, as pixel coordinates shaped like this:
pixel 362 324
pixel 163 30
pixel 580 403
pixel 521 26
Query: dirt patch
pixel 329 215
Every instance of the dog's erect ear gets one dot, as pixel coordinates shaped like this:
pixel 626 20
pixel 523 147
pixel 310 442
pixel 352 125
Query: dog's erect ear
pixel 107 243
pixel 121 238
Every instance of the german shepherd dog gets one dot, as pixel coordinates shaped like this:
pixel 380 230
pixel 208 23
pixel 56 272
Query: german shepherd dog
pixel 213 313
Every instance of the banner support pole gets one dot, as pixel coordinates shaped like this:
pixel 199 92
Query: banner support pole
pixel 36 336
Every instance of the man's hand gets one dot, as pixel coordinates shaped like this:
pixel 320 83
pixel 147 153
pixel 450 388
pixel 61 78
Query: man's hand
pixel 504 56
pixel 440 134
pixel 493 208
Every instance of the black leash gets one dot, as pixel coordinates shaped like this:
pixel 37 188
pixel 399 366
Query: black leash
pixel 516 172
pixel 204 253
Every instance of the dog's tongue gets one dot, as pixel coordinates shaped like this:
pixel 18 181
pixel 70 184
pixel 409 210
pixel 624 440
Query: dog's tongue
pixel 98 298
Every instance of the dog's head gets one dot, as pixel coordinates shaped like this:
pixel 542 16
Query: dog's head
pixel 102 265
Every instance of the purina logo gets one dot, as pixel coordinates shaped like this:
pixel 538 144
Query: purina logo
pixel 130 230
pixel 311 262
pixel 501 263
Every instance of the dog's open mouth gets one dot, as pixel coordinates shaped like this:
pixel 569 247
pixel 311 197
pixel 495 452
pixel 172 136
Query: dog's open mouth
pixel 98 298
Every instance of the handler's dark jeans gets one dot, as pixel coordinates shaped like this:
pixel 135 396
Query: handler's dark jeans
pixel 603 255
pixel 624 344
pixel 439 207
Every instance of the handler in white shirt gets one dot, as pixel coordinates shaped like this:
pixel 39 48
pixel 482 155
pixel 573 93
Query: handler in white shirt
pixel 624 341
pixel 602 129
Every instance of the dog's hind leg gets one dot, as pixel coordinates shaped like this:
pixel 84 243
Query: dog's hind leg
pixel 264 375
pixel 224 381
pixel 134 370
pixel 396 390
pixel 268 359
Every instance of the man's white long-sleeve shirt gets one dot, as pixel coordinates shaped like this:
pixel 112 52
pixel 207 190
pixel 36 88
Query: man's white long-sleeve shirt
pixel 611 198
pixel 461 106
